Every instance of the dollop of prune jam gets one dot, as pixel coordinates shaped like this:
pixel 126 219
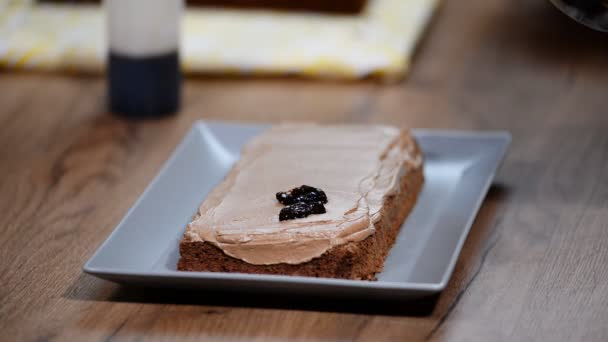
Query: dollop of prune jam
pixel 300 210
pixel 301 202
pixel 304 193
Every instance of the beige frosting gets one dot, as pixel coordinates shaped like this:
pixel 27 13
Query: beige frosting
pixel 356 166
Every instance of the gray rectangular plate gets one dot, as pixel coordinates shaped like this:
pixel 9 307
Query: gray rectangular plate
pixel 143 249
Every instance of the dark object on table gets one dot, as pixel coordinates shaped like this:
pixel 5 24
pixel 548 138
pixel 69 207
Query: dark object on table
pixel 592 13
pixel 144 86
pixel 143 62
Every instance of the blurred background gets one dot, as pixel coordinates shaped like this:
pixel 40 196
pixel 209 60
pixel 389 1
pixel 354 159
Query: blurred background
pixel 338 40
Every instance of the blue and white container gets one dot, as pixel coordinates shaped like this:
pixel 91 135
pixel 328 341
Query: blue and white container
pixel 144 78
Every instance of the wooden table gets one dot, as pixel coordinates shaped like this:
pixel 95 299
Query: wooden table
pixel 535 266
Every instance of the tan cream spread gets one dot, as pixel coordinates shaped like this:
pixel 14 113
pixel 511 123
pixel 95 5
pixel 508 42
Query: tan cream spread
pixel 356 166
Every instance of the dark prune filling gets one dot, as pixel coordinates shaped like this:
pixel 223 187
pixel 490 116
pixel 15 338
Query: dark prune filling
pixel 301 202
pixel 301 210
pixel 304 193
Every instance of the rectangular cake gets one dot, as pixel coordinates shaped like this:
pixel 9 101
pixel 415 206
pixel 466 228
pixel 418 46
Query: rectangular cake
pixel 369 178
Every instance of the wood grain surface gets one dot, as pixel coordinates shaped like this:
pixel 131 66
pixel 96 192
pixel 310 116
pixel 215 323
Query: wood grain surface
pixel 534 268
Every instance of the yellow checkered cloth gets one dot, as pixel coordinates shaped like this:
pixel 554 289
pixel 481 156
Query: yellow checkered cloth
pixel 379 41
